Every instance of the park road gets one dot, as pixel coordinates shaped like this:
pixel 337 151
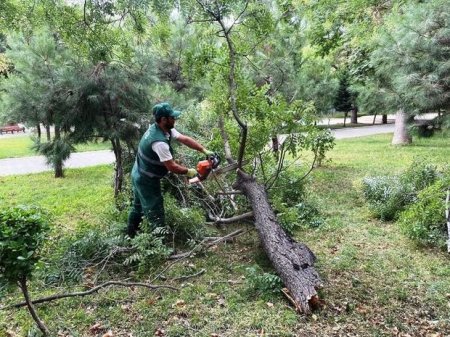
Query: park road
pixel 35 164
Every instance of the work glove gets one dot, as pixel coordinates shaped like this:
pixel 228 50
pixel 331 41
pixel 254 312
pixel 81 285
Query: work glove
pixel 191 173
pixel 207 152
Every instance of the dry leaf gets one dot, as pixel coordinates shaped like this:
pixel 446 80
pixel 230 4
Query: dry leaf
pixel 269 304
pixel 160 332
pixel 221 302
pixel 10 333
pixel 108 334
pixel 96 328
pixel 314 317
pixel 180 303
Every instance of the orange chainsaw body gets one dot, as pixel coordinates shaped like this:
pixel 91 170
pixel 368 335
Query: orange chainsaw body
pixel 204 167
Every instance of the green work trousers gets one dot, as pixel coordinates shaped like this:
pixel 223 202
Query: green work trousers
pixel 148 201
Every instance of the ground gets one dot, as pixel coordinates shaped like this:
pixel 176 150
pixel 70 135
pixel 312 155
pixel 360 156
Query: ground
pixel 377 283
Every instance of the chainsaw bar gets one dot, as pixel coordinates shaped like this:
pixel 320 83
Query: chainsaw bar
pixel 225 169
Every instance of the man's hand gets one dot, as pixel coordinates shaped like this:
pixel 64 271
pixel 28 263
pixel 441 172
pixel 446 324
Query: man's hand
pixel 191 173
pixel 207 152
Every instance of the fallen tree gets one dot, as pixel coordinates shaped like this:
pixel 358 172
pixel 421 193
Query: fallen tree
pixel 293 261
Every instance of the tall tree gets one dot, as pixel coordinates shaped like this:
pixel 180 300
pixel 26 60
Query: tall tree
pixel 40 91
pixel 413 56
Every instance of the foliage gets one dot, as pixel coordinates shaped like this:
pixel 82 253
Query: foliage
pixel 424 221
pixel 389 195
pixel 85 248
pixel 185 224
pixel 294 210
pixel 23 230
pixel 344 100
pixel 262 281
pixel 149 247
pixel 412 56
pixel 341 246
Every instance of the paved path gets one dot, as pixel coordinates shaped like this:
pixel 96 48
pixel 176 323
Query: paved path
pixel 24 165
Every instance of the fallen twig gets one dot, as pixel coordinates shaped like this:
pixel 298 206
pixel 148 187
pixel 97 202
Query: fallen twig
pixel 225 221
pixel 185 277
pixel 286 293
pixel 91 291
pixel 203 244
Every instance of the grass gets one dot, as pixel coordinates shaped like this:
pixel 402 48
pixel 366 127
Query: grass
pixel 377 283
pixel 20 146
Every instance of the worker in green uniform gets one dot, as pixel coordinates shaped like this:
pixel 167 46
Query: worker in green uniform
pixel 153 161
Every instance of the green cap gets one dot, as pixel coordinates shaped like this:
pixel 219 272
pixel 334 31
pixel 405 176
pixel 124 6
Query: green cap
pixel 165 110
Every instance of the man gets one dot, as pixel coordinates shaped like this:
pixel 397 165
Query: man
pixel 153 161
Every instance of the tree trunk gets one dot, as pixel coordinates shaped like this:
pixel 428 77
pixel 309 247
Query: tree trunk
pixel 354 116
pixel 58 163
pixel 275 144
pixel 401 136
pixel 118 173
pixel 26 295
pixel 345 117
pixel 293 261
pixel 39 132
pixel 47 129
pixel 225 140
pixel 384 119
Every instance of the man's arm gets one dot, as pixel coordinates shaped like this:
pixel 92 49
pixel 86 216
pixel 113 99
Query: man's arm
pixel 172 166
pixel 189 142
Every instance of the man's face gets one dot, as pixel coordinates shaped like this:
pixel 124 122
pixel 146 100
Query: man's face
pixel 169 122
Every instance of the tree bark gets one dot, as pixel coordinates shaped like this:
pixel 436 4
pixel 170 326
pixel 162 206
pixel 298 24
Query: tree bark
pixel 293 261
pixel 118 174
pixel 401 136
pixel 384 119
pixel 59 173
pixel 354 116
pixel 39 132
pixel 47 130
pixel 225 140
pixel 26 295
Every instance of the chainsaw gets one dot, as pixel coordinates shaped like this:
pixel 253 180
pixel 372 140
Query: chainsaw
pixel 208 166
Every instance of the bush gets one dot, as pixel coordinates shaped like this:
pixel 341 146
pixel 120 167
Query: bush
pixel 389 195
pixel 424 221
pixel 23 230
pixel 420 175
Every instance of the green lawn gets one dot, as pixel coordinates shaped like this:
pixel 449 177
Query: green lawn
pixel 20 146
pixel 377 283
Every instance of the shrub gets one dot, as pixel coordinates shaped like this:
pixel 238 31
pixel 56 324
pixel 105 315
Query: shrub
pixel 424 221
pixel 23 230
pixel 387 196
pixel 420 175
